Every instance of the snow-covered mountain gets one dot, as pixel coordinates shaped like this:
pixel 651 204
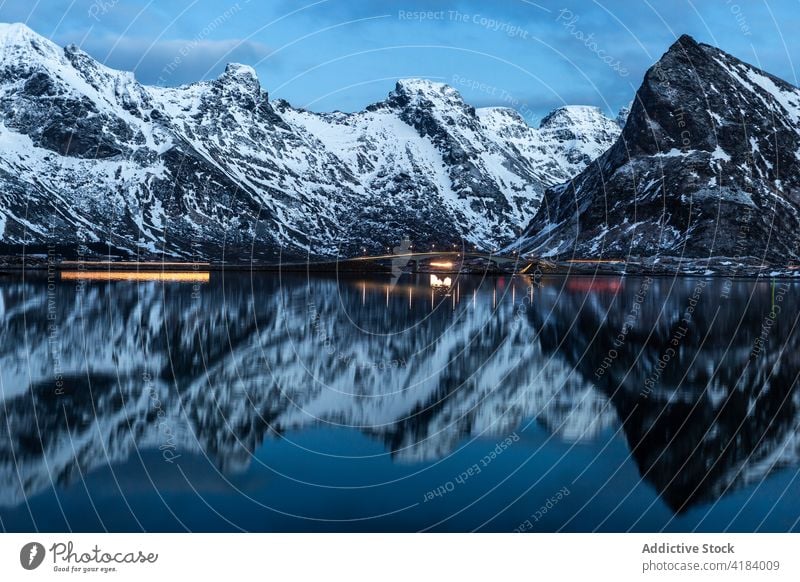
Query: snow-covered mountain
pixel 708 165
pixel 217 170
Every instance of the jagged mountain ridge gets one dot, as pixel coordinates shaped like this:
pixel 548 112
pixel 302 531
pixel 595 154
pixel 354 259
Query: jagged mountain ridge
pixel 708 165
pixel 217 170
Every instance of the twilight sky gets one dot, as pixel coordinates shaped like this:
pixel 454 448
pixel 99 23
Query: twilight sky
pixel 345 54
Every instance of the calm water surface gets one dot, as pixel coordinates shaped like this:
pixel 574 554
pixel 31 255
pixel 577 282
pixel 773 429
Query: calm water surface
pixel 291 403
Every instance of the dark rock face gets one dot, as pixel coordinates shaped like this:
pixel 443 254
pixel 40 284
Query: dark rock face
pixel 706 166
pixel 215 170
pixel 79 137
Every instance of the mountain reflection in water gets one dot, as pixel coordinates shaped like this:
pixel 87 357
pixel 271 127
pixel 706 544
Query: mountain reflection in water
pixel 275 402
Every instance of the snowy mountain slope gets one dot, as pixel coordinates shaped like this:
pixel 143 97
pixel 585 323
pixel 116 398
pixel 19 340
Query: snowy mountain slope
pixel 708 165
pixel 473 174
pixel 216 170
pixel 86 162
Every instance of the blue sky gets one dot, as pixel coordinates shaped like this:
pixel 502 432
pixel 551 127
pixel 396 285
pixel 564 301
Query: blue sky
pixel 345 54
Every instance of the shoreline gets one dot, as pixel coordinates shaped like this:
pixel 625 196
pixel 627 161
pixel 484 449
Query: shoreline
pixel 359 267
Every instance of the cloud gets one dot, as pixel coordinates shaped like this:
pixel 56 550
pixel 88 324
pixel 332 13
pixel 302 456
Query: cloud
pixel 175 61
pixel 169 43
pixel 183 41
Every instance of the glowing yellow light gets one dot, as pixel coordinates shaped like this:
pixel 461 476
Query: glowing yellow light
pixel 139 263
pixel 437 282
pixel 167 276
pixel 442 264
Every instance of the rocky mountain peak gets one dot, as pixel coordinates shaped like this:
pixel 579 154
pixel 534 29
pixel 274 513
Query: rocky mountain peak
pixel 239 73
pixel 622 115
pixel 239 84
pixel 22 48
pixel 584 130
pixel 505 114
pixel 571 114
pixel 696 97
pixel 96 74
pixel 425 88
pixel 18 34
pixel 425 93
pixel 238 77
pixel 710 142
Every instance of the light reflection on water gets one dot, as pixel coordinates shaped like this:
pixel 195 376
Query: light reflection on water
pixel 169 276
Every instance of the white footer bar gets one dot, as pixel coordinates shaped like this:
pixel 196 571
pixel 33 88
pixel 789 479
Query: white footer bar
pixel 406 557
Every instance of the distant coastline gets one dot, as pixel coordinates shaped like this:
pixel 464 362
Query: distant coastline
pixel 429 263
